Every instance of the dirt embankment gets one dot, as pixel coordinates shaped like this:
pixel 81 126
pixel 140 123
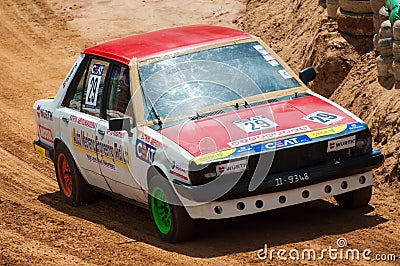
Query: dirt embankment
pixel 41 39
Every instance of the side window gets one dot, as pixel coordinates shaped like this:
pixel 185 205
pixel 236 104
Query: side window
pixel 73 98
pixel 94 87
pixel 119 94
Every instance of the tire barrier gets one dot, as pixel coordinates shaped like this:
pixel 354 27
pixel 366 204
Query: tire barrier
pixel 385 30
pixel 355 24
pixel 387 46
pixel 331 8
pixel 383 14
pixel 355 17
pixel 376 5
pixel 356 6
pixel 396 53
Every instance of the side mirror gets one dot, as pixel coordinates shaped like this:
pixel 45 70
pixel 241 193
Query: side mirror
pixel 308 74
pixel 119 124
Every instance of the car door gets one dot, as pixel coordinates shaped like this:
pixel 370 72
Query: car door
pixel 116 148
pixel 80 113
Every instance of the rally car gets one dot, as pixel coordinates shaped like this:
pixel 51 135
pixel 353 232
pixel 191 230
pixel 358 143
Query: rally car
pixel 200 122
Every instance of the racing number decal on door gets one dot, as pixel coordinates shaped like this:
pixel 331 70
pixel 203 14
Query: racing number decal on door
pixel 255 123
pixel 323 118
pixel 93 86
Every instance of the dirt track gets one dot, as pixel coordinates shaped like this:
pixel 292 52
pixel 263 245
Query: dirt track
pixel 39 41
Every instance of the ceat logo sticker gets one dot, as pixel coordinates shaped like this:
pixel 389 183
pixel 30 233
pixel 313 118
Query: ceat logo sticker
pixel 341 144
pixel 231 167
pixel 286 142
pixel 145 151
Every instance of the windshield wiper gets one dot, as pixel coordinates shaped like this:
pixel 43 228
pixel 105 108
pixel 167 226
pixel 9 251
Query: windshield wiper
pixel 159 122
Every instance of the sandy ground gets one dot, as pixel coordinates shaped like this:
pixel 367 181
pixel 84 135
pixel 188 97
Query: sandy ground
pixel 39 41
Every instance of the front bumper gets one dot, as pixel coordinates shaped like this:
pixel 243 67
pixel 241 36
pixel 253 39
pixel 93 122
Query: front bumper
pixel 260 203
pixel 43 149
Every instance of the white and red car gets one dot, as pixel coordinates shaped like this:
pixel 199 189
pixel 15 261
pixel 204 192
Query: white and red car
pixel 200 122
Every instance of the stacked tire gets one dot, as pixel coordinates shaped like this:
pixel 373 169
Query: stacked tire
pixel 376 6
pixel 355 17
pixel 396 53
pixel 331 8
pixel 385 44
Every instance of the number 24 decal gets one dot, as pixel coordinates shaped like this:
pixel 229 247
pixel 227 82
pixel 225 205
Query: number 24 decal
pixel 323 117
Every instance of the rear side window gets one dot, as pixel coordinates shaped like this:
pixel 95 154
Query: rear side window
pixel 94 87
pixel 86 90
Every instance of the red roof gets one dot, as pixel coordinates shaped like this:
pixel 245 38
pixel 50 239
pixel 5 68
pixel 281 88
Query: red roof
pixel 145 45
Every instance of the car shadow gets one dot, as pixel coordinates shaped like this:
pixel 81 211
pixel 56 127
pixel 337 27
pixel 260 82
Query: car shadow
pixel 229 236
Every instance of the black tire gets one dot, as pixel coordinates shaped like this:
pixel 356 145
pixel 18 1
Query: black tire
pixel 385 30
pixel 355 24
pixel 385 46
pixel 377 22
pixel 396 70
pixel 355 6
pixel 396 51
pixel 331 8
pixel 396 30
pixel 376 5
pixel 180 226
pixel 355 199
pixel 384 65
pixel 383 14
pixel 75 191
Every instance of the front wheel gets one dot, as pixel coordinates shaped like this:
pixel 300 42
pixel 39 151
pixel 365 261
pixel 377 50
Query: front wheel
pixel 172 222
pixel 73 187
pixel 355 199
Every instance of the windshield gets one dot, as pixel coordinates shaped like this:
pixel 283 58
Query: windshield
pixel 187 84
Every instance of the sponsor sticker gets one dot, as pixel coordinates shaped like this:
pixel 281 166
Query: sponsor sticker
pixel 213 156
pixel 43 113
pixel 273 63
pixel 153 142
pixel 178 169
pixel 82 121
pixel 93 87
pixel 341 144
pixel 323 118
pixel 231 167
pixel 284 143
pixel 268 136
pixel 255 123
pixel 145 151
pixel 284 74
pixel 326 131
pixel 45 133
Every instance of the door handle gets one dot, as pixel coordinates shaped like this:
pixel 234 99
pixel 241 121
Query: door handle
pixel 101 132
pixel 65 119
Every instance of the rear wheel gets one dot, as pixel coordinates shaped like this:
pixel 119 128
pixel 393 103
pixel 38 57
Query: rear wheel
pixel 355 199
pixel 172 221
pixel 73 187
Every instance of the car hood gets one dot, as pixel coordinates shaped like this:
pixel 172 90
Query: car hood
pixel 279 120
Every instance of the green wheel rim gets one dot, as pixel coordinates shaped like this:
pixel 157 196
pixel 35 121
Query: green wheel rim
pixel 161 210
